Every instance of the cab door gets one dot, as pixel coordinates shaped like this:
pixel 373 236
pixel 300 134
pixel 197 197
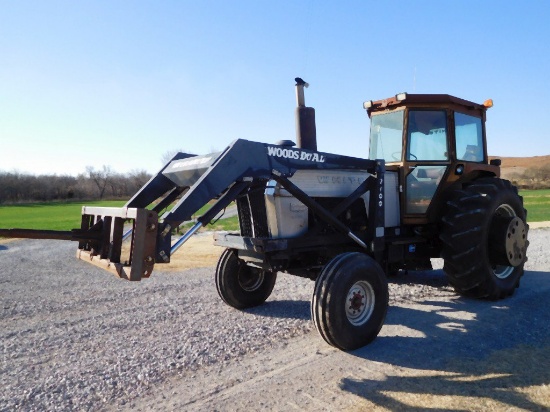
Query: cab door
pixel 426 160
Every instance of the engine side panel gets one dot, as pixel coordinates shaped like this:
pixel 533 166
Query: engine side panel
pixel 287 217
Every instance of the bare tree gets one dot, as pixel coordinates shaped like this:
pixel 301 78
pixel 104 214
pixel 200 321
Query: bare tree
pixel 17 187
pixel 101 178
pixel 137 178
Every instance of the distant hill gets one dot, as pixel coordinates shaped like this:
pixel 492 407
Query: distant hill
pixel 534 161
pixel 518 165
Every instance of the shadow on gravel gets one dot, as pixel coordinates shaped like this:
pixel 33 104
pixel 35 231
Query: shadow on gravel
pixel 288 309
pixel 435 278
pixel 463 348
pixel 2 247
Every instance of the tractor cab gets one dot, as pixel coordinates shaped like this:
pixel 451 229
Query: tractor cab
pixel 432 141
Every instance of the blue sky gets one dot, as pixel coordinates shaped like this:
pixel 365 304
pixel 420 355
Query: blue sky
pixel 120 83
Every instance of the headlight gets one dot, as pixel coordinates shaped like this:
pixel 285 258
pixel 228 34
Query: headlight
pixel 401 96
pixel 367 104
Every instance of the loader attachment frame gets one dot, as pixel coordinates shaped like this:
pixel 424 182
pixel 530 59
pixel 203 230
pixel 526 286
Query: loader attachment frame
pixel 107 252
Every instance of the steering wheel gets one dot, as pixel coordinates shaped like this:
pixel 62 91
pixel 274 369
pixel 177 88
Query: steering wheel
pixel 411 155
pixel 396 156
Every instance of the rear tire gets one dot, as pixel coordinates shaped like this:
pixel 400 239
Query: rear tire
pixel 242 286
pixel 350 301
pixel 469 244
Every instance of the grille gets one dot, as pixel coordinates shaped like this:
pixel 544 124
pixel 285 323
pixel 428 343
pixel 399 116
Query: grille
pixel 252 214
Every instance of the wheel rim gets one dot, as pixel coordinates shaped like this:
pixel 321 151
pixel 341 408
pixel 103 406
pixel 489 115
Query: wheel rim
pixel 360 303
pixel 500 271
pixel 250 279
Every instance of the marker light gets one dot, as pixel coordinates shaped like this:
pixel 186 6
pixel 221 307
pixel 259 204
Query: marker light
pixel 401 96
pixel 367 104
pixel 488 103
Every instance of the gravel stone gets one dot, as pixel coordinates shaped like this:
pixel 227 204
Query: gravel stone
pixel 73 337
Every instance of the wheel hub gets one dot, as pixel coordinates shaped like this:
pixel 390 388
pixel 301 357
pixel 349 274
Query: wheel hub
pixel 507 241
pixel 356 302
pixel 250 279
pixel 359 303
pixel 516 241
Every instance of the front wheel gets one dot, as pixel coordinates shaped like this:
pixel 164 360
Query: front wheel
pixel 350 301
pixel 242 286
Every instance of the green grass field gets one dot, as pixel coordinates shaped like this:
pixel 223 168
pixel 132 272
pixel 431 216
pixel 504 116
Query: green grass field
pixel 48 216
pixel 229 223
pixel 537 203
pixel 66 216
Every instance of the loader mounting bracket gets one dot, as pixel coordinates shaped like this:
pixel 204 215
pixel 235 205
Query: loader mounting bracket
pixel 133 264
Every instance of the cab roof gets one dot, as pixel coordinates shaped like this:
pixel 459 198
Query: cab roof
pixel 417 100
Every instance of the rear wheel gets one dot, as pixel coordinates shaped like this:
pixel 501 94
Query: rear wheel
pixel 484 237
pixel 350 301
pixel 242 286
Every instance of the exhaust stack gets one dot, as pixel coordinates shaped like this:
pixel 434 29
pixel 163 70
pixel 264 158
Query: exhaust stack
pixel 306 134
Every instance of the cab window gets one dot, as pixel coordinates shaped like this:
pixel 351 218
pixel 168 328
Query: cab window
pixel 469 138
pixel 427 135
pixel 386 136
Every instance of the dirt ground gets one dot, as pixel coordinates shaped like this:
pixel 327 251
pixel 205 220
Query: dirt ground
pixel 437 351
pixel 198 252
pixel 440 354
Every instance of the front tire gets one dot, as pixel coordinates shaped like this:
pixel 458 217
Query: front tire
pixel 484 236
pixel 350 301
pixel 242 286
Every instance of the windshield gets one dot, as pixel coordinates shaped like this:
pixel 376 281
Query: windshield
pixel 386 135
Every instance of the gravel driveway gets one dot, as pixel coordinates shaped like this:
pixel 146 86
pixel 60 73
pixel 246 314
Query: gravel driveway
pixel 74 337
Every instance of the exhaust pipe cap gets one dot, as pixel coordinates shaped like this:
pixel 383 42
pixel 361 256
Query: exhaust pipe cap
pixel 287 143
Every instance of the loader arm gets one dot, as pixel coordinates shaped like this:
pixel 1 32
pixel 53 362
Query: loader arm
pixel 220 176
pixel 198 180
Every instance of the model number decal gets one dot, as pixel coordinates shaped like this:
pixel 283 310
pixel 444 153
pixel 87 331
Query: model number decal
pixel 340 180
pixel 295 154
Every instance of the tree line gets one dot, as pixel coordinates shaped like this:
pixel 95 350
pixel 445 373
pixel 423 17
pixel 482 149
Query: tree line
pixel 105 183
pixel 94 184
pixel 532 178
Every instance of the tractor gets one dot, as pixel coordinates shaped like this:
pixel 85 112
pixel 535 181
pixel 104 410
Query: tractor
pixel 427 190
